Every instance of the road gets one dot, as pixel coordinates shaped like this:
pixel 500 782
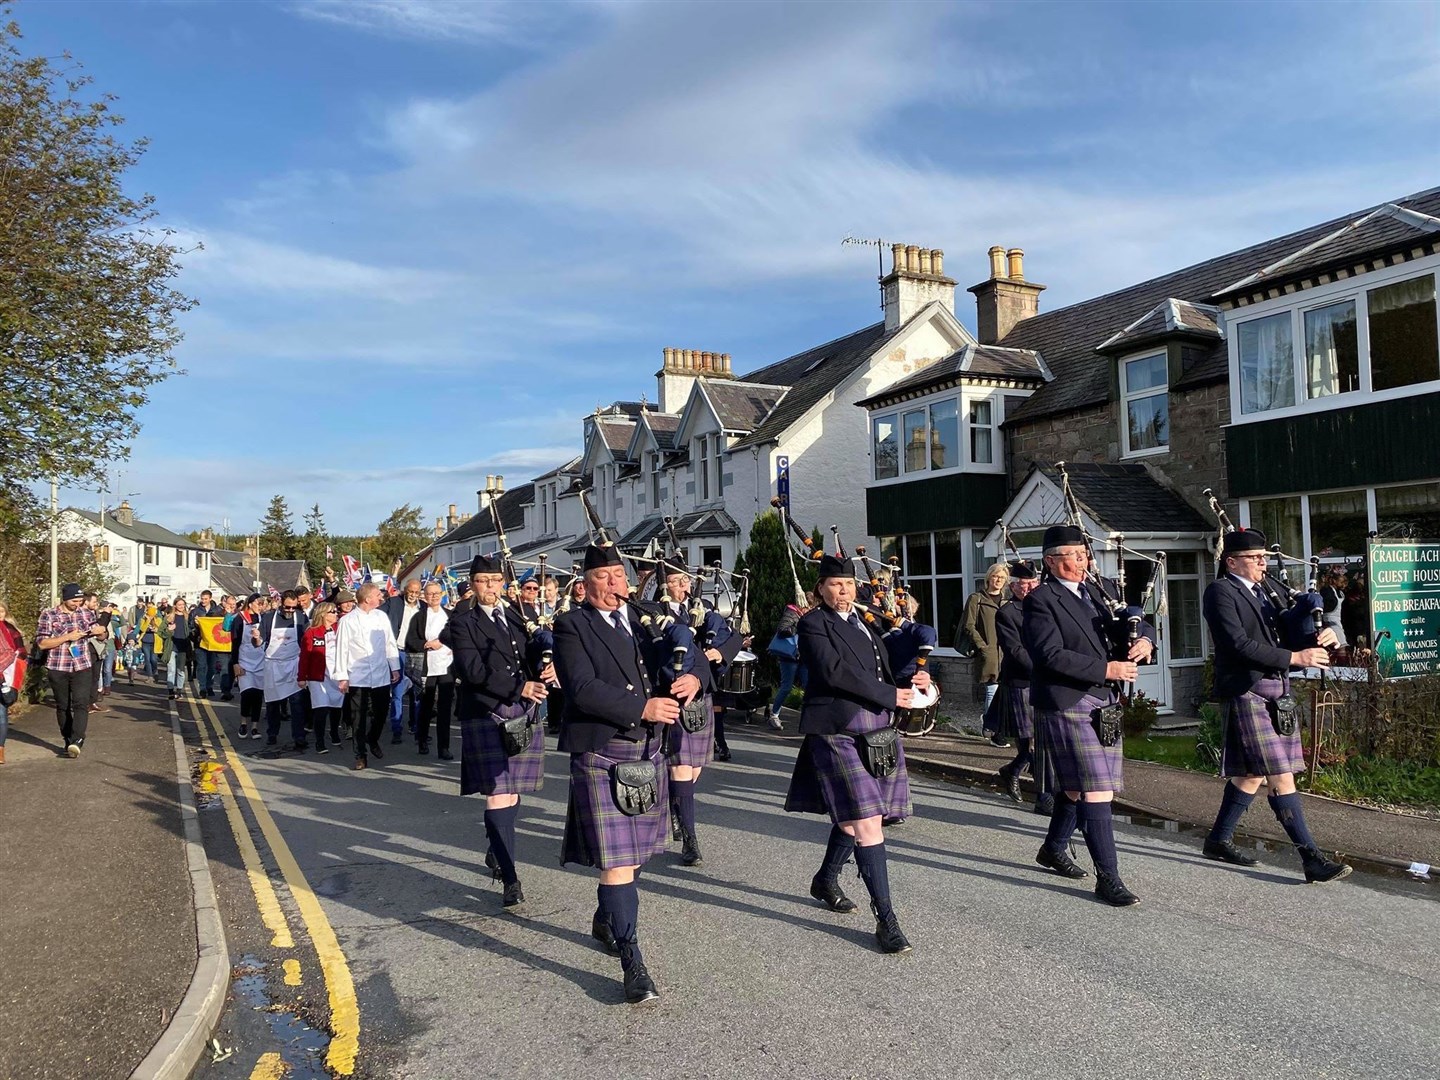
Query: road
pixel 1015 973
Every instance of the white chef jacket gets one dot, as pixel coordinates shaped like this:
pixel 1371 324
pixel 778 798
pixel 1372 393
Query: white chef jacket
pixel 365 652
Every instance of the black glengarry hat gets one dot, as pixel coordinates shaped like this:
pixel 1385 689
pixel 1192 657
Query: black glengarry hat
pixel 1062 536
pixel 1023 570
pixel 832 566
pixel 485 564
pixel 598 555
pixel 1243 542
pixel 673 564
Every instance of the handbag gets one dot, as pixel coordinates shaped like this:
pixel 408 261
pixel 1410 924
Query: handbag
pixel 634 787
pixel 787 648
pixel 1107 722
pixel 879 751
pixel 8 694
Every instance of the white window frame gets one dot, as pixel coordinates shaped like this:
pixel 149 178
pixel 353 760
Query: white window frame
pixel 149 555
pixel 702 468
pixel 1163 390
pixel 1372 516
pixel 718 443
pixel 996 398
pixel 970 567
pixel 965 460
pixel 1201 579
pixel 875 418
pixel 1297 302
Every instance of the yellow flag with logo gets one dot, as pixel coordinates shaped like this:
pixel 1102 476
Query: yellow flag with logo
pixel 213 635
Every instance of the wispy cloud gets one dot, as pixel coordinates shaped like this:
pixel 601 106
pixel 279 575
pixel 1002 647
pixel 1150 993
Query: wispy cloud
pixel 508 21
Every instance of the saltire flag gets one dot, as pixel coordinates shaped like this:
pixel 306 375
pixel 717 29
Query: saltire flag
pixel 329 554
pixel 352 571
pixel 213 635
pixel 274 592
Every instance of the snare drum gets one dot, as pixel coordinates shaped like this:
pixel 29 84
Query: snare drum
pixel 739 677
pixel 920 718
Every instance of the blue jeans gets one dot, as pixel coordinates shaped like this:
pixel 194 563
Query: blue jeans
pixel 210 670
pixel 397 704
pixel 986 721
pixel 4 724
pixel 175 670
pixel 791 672
pixel 149 653
pixel 107 679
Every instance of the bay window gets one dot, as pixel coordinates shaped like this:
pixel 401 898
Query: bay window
pixel 1403 343
pixel 886 447
pixel 982 433
pixel 1145 402
pixel 1267 364
pixel 1332 350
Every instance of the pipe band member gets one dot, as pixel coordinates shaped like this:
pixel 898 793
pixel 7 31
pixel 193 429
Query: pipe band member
pixel 693 685
pixel 1016 717
pixel 612 729
pixel 502 740
pixel 851 765
pixel 1262 730
pixel 1069 638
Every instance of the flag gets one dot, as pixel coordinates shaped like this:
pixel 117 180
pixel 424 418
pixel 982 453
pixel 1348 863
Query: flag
pixel 274 592
pixel 329 553
pixel 213 635
pixel 352 571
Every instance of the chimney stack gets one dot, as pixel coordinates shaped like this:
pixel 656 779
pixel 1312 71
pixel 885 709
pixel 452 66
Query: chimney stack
pixel 207 539
pixel 1005 298
pixel 916 278
pixel 252 556
pixel 681 367
pixel 124 514
pixel 439 527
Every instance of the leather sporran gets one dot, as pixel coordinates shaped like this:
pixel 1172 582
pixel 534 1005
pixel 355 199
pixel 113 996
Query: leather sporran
pixel 634 786
pixel 1108 722
pixel 694 714
pixel 515 734
pixel 879 751
pixel 1284 715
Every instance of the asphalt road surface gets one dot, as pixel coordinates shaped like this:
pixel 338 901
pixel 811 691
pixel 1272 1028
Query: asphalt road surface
pixel 1015 973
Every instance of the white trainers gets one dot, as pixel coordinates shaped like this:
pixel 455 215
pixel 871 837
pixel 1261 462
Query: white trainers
pixel 73 750
pixel 775 724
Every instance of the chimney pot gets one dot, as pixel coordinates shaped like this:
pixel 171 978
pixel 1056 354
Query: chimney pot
pixel 898 252
pixel 452 509
pixel 937 261
pixel 997 261
pixel 1016 258
pixel 912 258
pixel 725 362
pixel 669 358
pixel 924 260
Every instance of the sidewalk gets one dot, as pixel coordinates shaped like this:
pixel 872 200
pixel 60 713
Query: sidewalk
pixel 1190 798
pixel 97 921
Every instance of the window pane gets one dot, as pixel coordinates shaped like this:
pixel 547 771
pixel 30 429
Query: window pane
pixel 1279 519
pixel 1184 619
pixel 1403 346
pixel 1413 511
pixel 949 552
pixel 978 563
pixel 950 594
pixel 982 437
pixel 945 434
pixel 1332 350
pixel 1267 364
pixel 917 555
pixel 923 589
pixel 915 441
pixel 889 548
pixel 887 461
pixel 1338 524
pixel 1181 562
pixel 1149 421
pixel 1145 373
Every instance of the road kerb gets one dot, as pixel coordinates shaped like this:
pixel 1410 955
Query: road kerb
pixel 183 1043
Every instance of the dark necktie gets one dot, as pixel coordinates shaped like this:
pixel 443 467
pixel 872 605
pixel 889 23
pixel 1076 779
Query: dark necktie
pixel 617 620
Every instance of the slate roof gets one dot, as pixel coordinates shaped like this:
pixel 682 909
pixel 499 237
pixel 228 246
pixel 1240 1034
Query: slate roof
pixel 975 360
pixel 642 533
pixel 141 532
pixel 664 426
pixel 706 523
pixel 227 578
pixel 226 557
pixel 1067 337
pixel 280 574
pixel 742 406
pixel 569 467
pixel 1127 498
pixel 284 573
pixel 615 432
pixel 1167 318
pixel 811 375
pixel 512 516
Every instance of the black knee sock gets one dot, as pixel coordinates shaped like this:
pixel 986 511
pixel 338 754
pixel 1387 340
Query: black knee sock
pixel 500 830
pixel 510 821
pixel 682 795
pixel 1291 815
pixel 1099 836
pixel 876 874
pixel 1233 805
pixel 720 730
pixel 837 854
pixel 1023 756
pixel 619 905
pixel 1062 822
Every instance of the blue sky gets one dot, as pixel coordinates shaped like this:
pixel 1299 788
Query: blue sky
pixel 436 234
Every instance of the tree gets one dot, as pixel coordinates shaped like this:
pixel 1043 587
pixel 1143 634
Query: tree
pixel 87 314
pixel 399 536
pixel 277 531
pixel 311 546
pixel 771 584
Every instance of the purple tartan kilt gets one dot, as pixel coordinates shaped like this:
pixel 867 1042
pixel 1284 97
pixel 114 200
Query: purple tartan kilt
pixel 1017 721
pixel 596 832
pixel 1073 754
pixel 1252 745
pixel 829 778
pixel 692 748
pixel 486 769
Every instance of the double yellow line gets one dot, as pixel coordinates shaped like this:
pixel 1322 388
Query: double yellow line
pixel 344 1008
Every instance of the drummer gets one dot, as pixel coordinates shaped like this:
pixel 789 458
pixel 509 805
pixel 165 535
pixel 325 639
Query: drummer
pixel 909 644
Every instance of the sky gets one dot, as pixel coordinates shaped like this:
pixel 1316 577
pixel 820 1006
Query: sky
pixel 426 238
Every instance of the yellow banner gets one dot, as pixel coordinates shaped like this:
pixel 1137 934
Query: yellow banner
pixel 213 635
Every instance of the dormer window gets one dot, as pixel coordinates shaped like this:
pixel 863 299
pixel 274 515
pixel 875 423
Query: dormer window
pixel 1145 404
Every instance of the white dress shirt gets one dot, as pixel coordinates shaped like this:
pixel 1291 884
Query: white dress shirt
pixel 437 661
pixel 365 652
pixel 406 614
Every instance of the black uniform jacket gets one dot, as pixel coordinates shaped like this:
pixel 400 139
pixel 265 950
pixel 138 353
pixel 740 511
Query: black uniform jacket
pixel 1065 637
pixel 414 643
pixel 490 661
pixel 1246 646
pixel 1014 659
pixel 849 672
pixel 606 678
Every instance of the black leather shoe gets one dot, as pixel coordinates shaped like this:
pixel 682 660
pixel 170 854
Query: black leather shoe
pixel 375 750
pixel 445 755
pixel 423 748
pixel 722 753
pixel 513 894
pixel 888 934
pixel 1060 862
pixel 1225 851
pixel 601 932
pixel 494 865
pixel 1045 804
pixel 1008 781
pixel 830 894
pixel 675 832
pixel 639 987
pixel 1113 891
pixel 1319 869
pixel 690 852
pixel 999 740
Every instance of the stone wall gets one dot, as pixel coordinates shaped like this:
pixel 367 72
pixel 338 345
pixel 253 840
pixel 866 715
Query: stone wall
pixel 1087 435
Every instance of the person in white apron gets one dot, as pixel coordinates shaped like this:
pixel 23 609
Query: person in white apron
pixel 326 700
pixel 247 663
pixel 280 633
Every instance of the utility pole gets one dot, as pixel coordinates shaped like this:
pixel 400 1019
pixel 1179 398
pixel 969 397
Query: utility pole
pixel 54 543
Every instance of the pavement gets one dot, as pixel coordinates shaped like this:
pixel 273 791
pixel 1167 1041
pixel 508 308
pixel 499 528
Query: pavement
pixel 97 919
